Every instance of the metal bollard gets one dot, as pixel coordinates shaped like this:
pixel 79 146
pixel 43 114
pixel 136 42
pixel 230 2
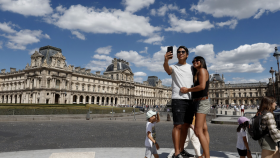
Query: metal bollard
pixel 168 117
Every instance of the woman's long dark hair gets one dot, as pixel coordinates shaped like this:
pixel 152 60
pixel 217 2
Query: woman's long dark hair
pixel 266 104
pixel 243 125
pixel 203 65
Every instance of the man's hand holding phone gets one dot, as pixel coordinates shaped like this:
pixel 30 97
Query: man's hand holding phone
pixel 169 53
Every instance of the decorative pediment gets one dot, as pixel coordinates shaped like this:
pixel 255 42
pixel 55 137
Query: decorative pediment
pixel 127 71
pixel 36 54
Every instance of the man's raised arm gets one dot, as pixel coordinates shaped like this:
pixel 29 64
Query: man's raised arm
pixel 167 68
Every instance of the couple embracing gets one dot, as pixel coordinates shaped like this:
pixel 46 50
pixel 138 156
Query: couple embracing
pixel 189 97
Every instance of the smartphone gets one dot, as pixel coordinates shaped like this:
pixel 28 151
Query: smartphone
pixel 170 49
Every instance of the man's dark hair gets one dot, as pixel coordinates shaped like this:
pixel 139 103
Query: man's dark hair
pixel 186 49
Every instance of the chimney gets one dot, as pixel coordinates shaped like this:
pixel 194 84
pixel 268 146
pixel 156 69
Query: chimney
pixel 88 71
pixel 12 69
pixel 77 68
pixel 97 72
pixel 3 71
pixel 115 62
pixel 82 69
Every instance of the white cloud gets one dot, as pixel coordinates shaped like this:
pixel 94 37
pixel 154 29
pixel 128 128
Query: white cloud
pixel 144 51
pixel 78 35
pixel 136 5
pixel 33 51
pixel 140 74
pixel 153 12
pixel 138 79
pixel 166 8
pixel 108 21
pixel 240 9
pixel 231 23
pixel 181 25
pixel 243 80
pixel 100 62
pixel 20 39
pixel 154 39
pixel 5 27
pixel 260 13
pixel 153 64
pixel 104 50
pixel 27 7
pixel 167 81
pixel 245 58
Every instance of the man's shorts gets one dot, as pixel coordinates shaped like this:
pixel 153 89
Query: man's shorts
pixel 242 110
pixel 150 151
pixel 183 111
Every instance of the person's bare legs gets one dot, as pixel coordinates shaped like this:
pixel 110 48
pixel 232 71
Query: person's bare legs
pixel 176 132
pixel 156 156
pixel 183 136
pixel 199 131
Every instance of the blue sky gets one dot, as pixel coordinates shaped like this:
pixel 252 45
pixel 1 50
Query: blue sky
pixel 237 38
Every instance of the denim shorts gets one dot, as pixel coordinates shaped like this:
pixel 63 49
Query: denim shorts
pixel 183 111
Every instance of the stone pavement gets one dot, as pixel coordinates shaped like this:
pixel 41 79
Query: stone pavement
pixel 102 153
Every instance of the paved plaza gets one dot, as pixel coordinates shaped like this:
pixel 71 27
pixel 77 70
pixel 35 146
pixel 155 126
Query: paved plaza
pixel 100 135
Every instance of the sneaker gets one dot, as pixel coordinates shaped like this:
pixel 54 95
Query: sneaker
pixel 185 153
pixel 178 156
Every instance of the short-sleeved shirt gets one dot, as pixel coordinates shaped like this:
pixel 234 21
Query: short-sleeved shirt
pixel 150 127
pixel 240 143
pixel 182 76
pixel 242 106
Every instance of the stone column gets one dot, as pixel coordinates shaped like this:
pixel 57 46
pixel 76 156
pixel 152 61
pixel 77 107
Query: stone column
pixel 89 100
pixel 78 99
pixel 13 98
pixel 84 99
pixel 95 99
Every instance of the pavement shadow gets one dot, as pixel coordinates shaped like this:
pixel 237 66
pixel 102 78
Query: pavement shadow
pixel 220 154
pixel 163 155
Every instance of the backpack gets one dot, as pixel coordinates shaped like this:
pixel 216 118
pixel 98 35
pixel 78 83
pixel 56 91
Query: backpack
pixel 254 128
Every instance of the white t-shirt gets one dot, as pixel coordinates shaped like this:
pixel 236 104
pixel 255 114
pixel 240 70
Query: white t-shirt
pixel 240 143
pixel 242 106
pixel 151 128
pixel 182 76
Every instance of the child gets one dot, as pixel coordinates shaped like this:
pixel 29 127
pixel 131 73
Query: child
pixel 150 142
pixel 242 139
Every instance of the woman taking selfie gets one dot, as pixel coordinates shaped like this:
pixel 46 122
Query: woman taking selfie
pixel 269 142
pixel 200 102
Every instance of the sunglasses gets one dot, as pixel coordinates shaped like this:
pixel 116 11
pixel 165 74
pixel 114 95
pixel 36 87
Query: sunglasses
pixel 179 52
pixel 195 61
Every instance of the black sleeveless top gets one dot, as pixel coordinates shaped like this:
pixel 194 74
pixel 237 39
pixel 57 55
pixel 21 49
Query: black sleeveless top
pixel 202 93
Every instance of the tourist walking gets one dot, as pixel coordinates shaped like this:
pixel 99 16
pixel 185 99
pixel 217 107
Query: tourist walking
pixel 242 139
pixel 242 107
pixel 150 142
pixel 201 102
pixel 269 143
pixel 182 108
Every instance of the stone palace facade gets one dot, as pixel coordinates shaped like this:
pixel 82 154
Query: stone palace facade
pixel 48 80
pixel 241 93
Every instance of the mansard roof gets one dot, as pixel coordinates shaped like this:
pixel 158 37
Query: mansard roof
pixel 48 52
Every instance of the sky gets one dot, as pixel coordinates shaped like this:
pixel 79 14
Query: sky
pixel 237 38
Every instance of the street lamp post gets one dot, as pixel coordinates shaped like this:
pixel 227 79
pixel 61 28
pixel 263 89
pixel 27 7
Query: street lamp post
pixel 272 72
pixel 142 99
pixel 277 55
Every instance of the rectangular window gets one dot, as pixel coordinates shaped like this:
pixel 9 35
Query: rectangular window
pixel 83 89
pixel 77 87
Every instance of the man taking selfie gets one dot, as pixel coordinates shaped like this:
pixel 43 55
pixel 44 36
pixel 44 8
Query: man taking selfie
pixel 182 109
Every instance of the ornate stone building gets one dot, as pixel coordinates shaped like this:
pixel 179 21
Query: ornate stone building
pixel 48 80
pixel 241 93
